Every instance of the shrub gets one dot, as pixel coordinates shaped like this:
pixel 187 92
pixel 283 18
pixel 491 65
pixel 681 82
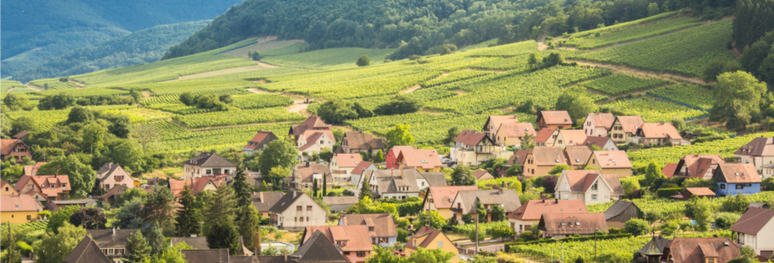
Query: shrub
pixel 637 227
pixel 615 257
pixel 25 248
pixel 363 61
pixel 667 192
pixel 726 220
pixel 737 204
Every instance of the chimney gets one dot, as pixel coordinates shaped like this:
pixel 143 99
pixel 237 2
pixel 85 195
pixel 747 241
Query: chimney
pixel 257 243
pixel 307 164
pixel 286 254
pixel 198 152
pixel 544 201
pixel 260 196
pixel 501 191
pixel 114 231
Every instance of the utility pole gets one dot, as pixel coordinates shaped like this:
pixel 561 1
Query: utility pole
pixel 595 244
pixel 476 253
pixel 562 252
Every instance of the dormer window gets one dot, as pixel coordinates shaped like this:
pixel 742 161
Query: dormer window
pixel 370 229
pixel 594 186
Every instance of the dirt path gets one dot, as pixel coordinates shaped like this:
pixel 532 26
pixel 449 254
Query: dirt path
pixel 298 106
pixel 640 72
pixel 219 72
pixel 146 94
pixel 412 89
pixel 77 84
pixel 33 86
pixel 255 90
pixel 229 126
pixel 542 46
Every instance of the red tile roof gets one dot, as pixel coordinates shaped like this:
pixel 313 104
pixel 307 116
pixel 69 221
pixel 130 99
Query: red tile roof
pixel 577 155
pixel 400 148
pixel 496 120
pixel 739 173
pixel 630 124
pixel 519 157
pixel 197 186
pixel 10 203
pixel 758 147
pixel 613 159
pixel 427 159
pixel 7 145
pixel 599 141
pixel 470 137
pixel 516 129
pixel 348 160
pixel 534 209
pixel 361 166
pixel 669 170
pixel 51 185
pixel 424 231
pixel 572 223
pixel 659 130
pixel 700 191
pixel 548 156
pixel 694 250
pixel 311 123
pixel 312 136
pixel 602 119
pixel 572 137
pixel 356 236
pixel 443 196
pixel 753 220
pixel 555 117
pixel 544 134
pixel 698 163
pixel 382 223
pixel 479 173
pixel 259 137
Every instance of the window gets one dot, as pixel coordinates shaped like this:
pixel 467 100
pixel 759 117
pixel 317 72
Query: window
pixel 723 186
pixel 225 171
pixel 594 186
pixel 307 219
pixel 29 217
pixel 346 253
pixel 110 251
pixel 299 208
pixel 440 244
pixel 295 219
pixel 361 253
pixel 309 208
pixel 739 186
pixel 594 197
pixel 322 142
pixel 527 227
pixel 208 171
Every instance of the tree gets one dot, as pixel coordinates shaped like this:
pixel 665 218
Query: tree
pixel 94 136
pixel 145 135
pixel 81 176
pixel 242 189
pixel 430 256
pixel 549 183
pixel 738 99
pixel 527 106
pixel 516 186
pixel 579 260
pixel 129 155
pixel 534 60
pixel 384 255
pixel 715 68
pixel 219 214
pixel 559 168
pixel 89 218
pixel 79 114
pixel 12 255
pixel 630 185
pixel 137 249
pixel 314 188
pixel 726 220
pixel 399 135
pixel 173 254
pixel 501 232
pixel 553 59
pixel 379 157
pixel 679 123
pixel 276 175
pixel 16 102
pixel 337 111
pixel 462 175
pixel 700 209
pixel 363 61
pixel 130 214
pixel 132 193
pixel 264 187
pixel 55 246
pixel 400 104
pixel 637 227
pixel 160 207
pixel 325 186
pixel 365 190
pixel 60 218
pixel 278 153
pixel 577 103
pixel 526 141
pixel 737 204
pixel 188 98
pixel 249 223
pixel 653 173
pixel 432 219
pixel 136 95
pixel 223 234
pixel 156 240
pixel 653 9
pixel 743 260
pixel 498 213
pixel 23 123
pixel 451 134
pixel 653 216
pixel 188 216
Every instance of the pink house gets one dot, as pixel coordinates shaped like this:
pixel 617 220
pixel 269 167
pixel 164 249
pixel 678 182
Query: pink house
pixel 111 174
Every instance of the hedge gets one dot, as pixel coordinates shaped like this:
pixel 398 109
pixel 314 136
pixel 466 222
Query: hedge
pixel 567 239
pixel 667 192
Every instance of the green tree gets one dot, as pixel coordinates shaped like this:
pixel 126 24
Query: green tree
pixel 337 111
pixel 559 168
pixel 219 214
pixel 533 61
pixel 188 216
pixel 431 219
pixel 314 188
pixel 80 114
pixel 502 232
pixel 188 98
pixel 384 255
pixel 630 185
pixel 498 213
pixel 12 254
pixel 701 210
pixel 637 227
pixel 136 95
pixel 363 61
pixel 726 220
pixel 242 189
pixel 462 175
pixel 737 102
pixel 379 157
pixel 94 136
pixel 16 102
pixel 132 193
pixel 249 223
pixel 527 141
pixel 55 246
pixel 81 176
pixel 160 207
pixel 736 204
pixel 173 254
pixel 325 186
pixel 399 135
pixel 137 249
pixel 399 104
pixel 264 187
pixel 156 240
pixel 130 215
pixel 129 155
pixel 743 260
pixel 577 103
pixel 553 59
pixel 451 134
pixel 23 123
pixel 653 216
pixel 430 256
pixel 221 206
pixel 60 218
pixel 365 190
pixel 653 9
pixel 278 153
pixel 653 173
pixel 516 186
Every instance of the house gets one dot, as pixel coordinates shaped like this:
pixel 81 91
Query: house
pixel 440 198
pixel 482 175
pixel 611 162
pixel 259 141
pixel 511 134
pixel 603 143
pixel 314 141
pixel 737 178
pixel 112 242
pixel 754 230
pixel 669 170
pixel 112 195
pixel 767 171
pixel 44 187
pixel 86 202
pixel 546 137
pixel 494 122
pixel 305 174
pixel 598 124
pixel 429 238
pixel 577 156
pixel 759 152
pixel 391 158
pixel 213 255
pixel 591 186
pixel 402 183
pixel 381 228
pixel 19 209
pixel 359 172
pixel 621 211
pixel 263 201
pixel 111 175
pixel 342 165
pixel 317 249
pixel 193 241
pixel 198 185
pixel 86 251
pixel 340 203
pixel 7 189
pixel 700 250
pixel 701 166
pixel 522 219
pixel 466 201
pixel 472 147
pixel 311 123
pixel 354 240
pixel 541 160
pixel 660 133
pixel 694 191
pixel 32 170
pixel 519 158
pixel 425 160
pixel 207 164
pixel 553 120
pixel 653 250
pixel 356 142
pixel 625 128
pixel 561 225
pixel 570 138
pixel 295 211
pixel 14 148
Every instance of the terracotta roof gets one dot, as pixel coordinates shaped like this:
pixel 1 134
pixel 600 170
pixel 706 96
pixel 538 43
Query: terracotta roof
pixel 206 255
pixel 361 140
pixel 389 180
pixel 116 190
pixel 753 220
pixel 311 123
pixel 516 129
pixel 337 200
pixel 209 159
pixel 507 198
pixel 11 203
pixel 444 195
pixel 694 250
pixel 604 120
pixel 305 172
pixel 572 223
pixel 424 231
pixel 318 248
pixel 104 238
pixel 6 145
pixel 195 242
pixel 614 183
pixel 382 223
pixel 544 134
pixel 396 150
pixel 177 186
pixel 533 209
pixel 613 159
pixel 32 170
pixel 580 180
pixel 599 141
pixel 577 155
pixel 519 157
pixel 572 137
pixel 758 147
pixel 263 201
pixel 659 130
pixel 555 117
pixel 258 139
pixel 630 124
pixel 738 173
pixel 48 180
pixel 496 120
pixel 470 137
pixel 551 156
pixel 348 160
pixel 700 191
pixel 698 164
pixel 313 136
pixel 479 173
pixel 3 183
pixel 86 252
pixel 361 166
pixel 617 208
pixel 356 236
pixel 21 134
pixel 427 159
pixel 669 170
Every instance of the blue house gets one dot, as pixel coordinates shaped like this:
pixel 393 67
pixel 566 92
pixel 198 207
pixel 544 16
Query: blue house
pixel 381 228
pixel 737 178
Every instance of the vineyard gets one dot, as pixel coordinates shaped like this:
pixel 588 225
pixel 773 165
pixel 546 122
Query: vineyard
pixel 176 139
pixel 336 57
pixel 466 229
pixel 8 84
pixel 26 227
pixel 237 117
pixel 620 84
pixel 693 95
pixel 613 37
pixel 47 119
pixel 260 47
pixel 258 101
pixel 53 84
pixel 454 77
pixel 671 206
pixel 198 86
pixel 653 110
pixel 85 92
pixel 724 148
pixel 624 26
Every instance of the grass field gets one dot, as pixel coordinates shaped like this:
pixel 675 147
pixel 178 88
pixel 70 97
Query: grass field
pixel 260 47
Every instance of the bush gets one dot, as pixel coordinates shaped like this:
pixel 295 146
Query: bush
pixel 637 227
pixel 363 61
pixel 402 235
pixel 726 220
pixel 25 248
pixel 667 192
pixel 737 204
pixel 615 257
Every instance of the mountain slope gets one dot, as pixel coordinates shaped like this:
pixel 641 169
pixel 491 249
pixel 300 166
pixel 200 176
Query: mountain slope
pixel 144 46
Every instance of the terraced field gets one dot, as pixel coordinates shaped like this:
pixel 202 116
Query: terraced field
pixel 631 33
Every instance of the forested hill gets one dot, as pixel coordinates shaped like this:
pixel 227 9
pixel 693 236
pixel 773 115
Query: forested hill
pixel 423 26
pixel 34 31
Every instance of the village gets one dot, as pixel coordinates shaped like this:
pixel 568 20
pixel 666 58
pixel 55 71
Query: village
pixel 365 199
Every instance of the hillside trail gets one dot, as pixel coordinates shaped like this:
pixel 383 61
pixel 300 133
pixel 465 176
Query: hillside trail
pixel 259 66
pixel 614 97
pixel 77 84
pixel 299 105
pixel 146 94
pixel 229 126
pixel 640 72
pixel 34 87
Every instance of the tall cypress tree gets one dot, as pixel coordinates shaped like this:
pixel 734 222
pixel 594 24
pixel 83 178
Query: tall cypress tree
pixel 325 185
pixel 189 215
pixel 242 190
pixel 314 187
pixel 220 217
pixel 365 190
pixel 137 249
pixel 249 224
pixel 156 240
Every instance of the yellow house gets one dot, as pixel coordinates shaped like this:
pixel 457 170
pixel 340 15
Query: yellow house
pixel 429 238
pixel 610 162
pixel 18 209
pixel 7 189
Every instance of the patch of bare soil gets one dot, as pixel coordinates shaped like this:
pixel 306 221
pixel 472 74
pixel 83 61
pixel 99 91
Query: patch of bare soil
pixel 459 92
pixel 146 94
pixel 640 72
pixel 412 89
pixel 33 86
pixel 77 84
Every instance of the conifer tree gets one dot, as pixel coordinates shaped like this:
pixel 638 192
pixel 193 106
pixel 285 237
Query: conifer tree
pixel 325 185
pixel 137 249
pixel 365 190
pixel 264 187
pixel 314 188
pixel 241 189
pixel 156 240
pixel 220 217
pixel 188 216
pixel 249 224
pixel 159 206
